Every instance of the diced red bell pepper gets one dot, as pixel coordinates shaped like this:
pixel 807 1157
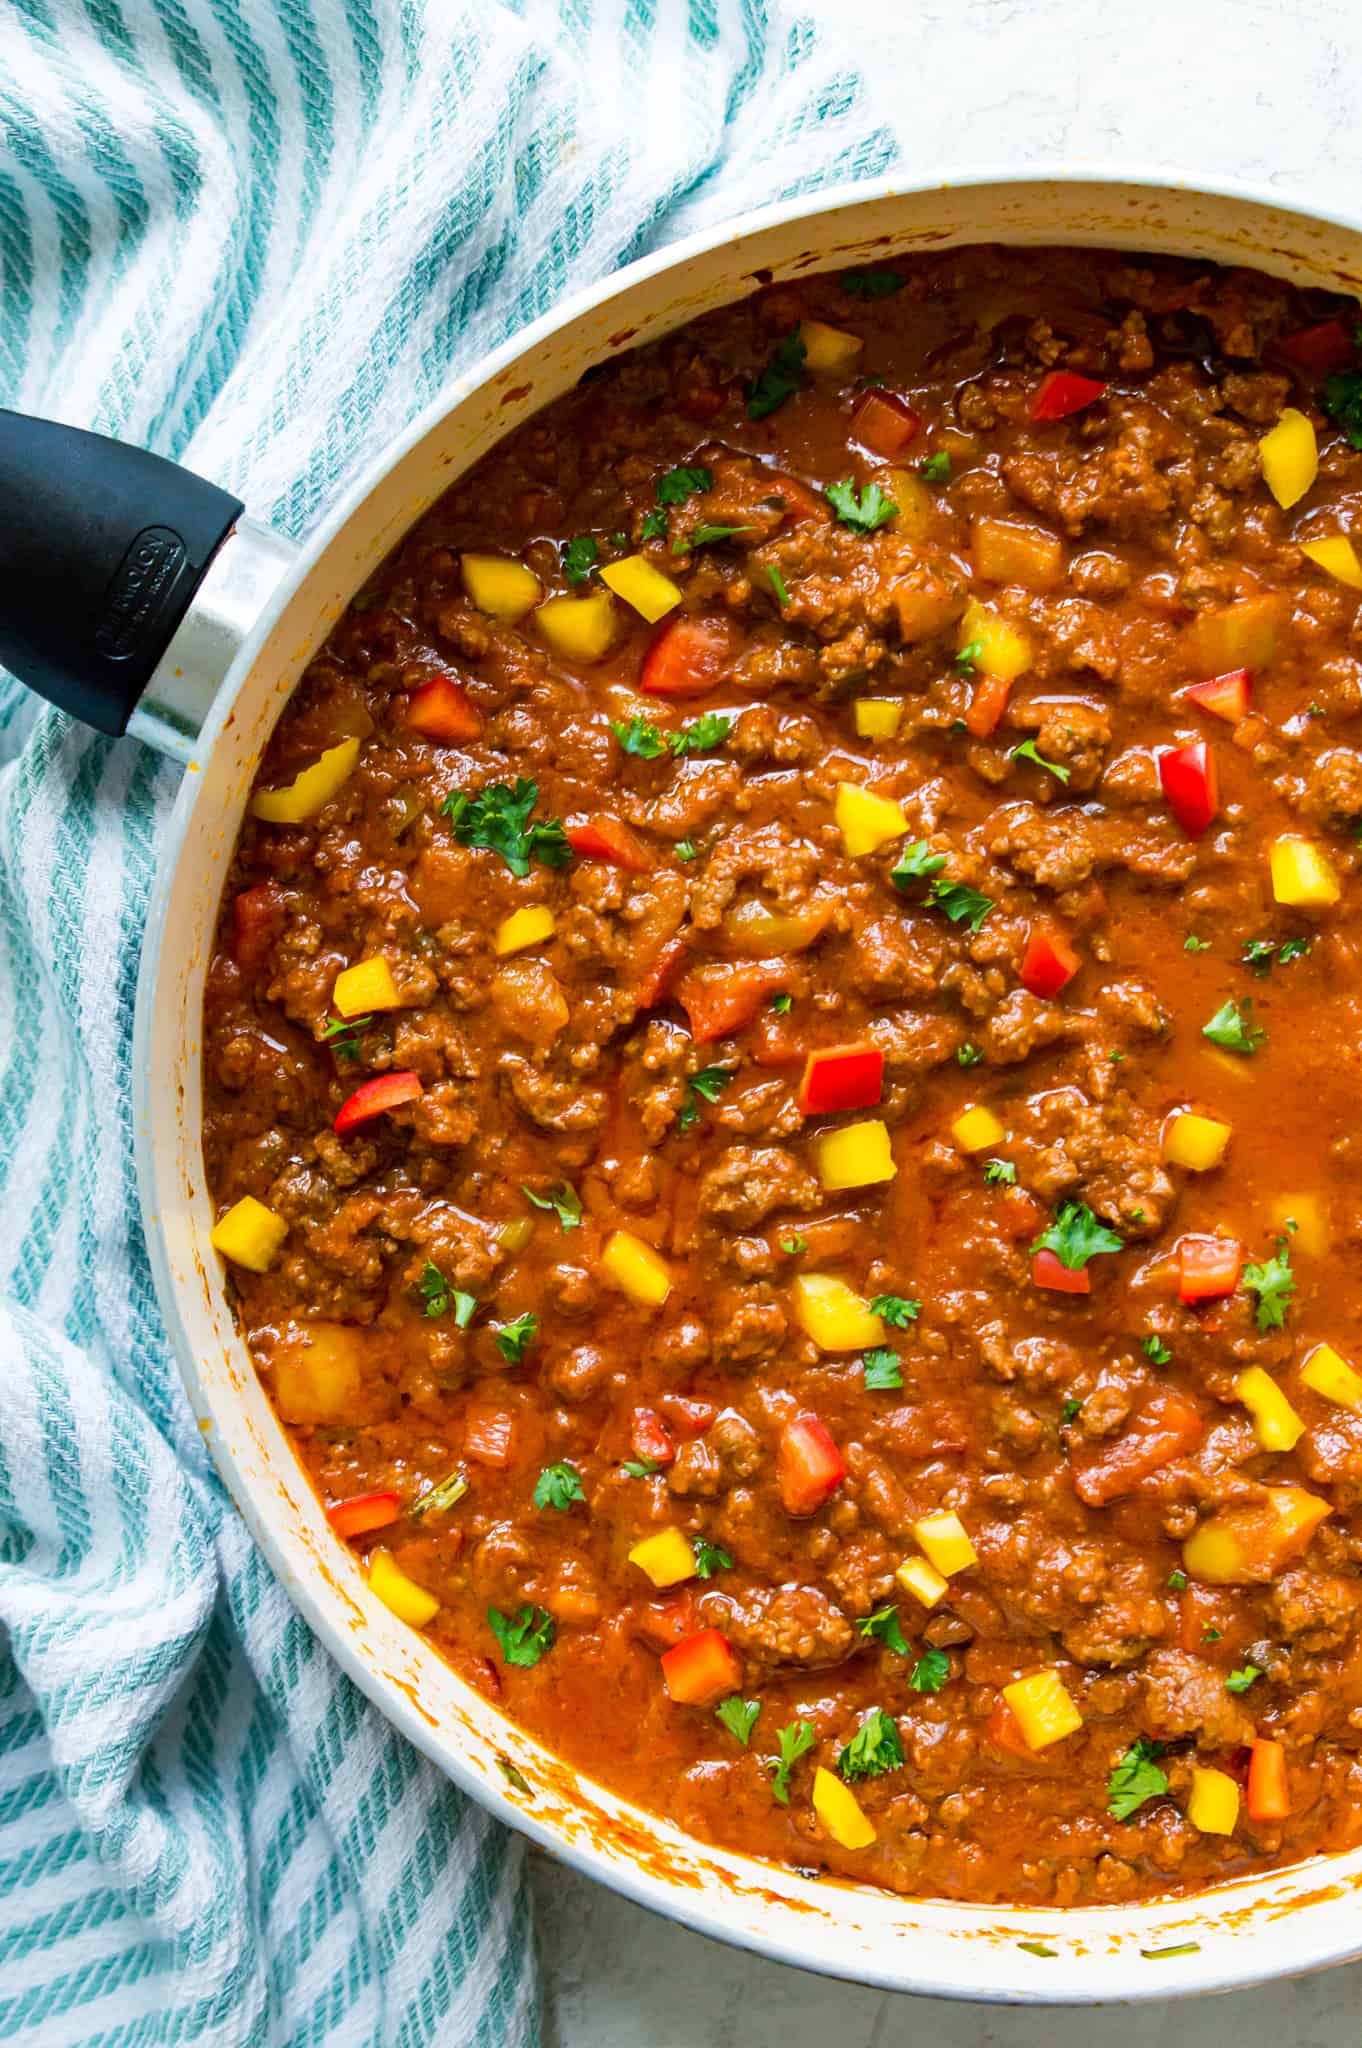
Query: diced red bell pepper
pixel 1190 784
pixel 664 1622
pixel 1168 1426
pixel 701 1669
pixel 373 1098
pixel 1208 1267
pixel 841 1077
pixel 687 656
pixel 1325 346
pixel 1049 962
pixel 1004 1732
pixel 885 424
pixel 1049 1270
pixel 602 837
pixel 987 705
pixel 689 1418
pixel 1061 392
pixel 363 1513
pixel 659 978
pixel 1268 1795
pixel 1224 696
pixel 649 1438
pixel 719 999
pixel 487 1440
pixel 257 919
pixel 809 1466
pixel 443 710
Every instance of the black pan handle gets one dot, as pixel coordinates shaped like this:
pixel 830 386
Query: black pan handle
pixel 102 547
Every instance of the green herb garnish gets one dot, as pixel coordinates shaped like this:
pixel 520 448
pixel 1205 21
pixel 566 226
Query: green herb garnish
pixel 1155 1348
pixel 562 1199
pixel 580 557
pixel 558 1486
pixel 1076 1236
pixel 498 818
pixel 883 1626
pixel 863 512
pixel 778 585
pixel 1001 1171
pixel 871 284
pixel 524 1636
pixel 1240 1681
pixel 1135 1778
pixel 930 1672
pixel 1273 1283
pixel 883 1373
pixel 342 1035
pixel 782 376
pixel 708 731
pixel 874 1749
pixel 1340 398
pixel 738 1716
pixel 514 1339
pixel 639 736
pixel 682 482
pixel 1027 752
pixel 1232 1028
pixel 935 469
pixel 437 1500
pixel 795 1741
pixel 710 1558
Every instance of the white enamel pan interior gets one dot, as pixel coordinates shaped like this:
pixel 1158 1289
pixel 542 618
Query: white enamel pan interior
pixel 1297 1920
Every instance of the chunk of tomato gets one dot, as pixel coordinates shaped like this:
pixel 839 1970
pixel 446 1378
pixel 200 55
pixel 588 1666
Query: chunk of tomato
pixel 1049 962
pixel 687 656
pixel 1191 786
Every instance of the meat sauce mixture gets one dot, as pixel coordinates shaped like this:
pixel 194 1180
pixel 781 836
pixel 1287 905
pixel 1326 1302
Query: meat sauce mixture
pixel 781 1066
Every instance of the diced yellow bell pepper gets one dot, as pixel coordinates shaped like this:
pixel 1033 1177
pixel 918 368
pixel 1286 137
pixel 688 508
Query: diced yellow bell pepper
pixel 249 1235
pixel 922 1580
pixel 1239 1545
pixel 833 1315
pixel 1325 1373
pixel 635 579
pixel 917 514
pixel 580 628
pixel 1303 875
pixel 840 1812
pixel 1305 1220
pixel 828 350
pixel 314 786
pixel 975 1130
pixel 866 821
pixel 944 1539
pixel 857 1156
pixel 1044 1711
pixel 1289 454
pixel 516 1234
pixel 636 1269
pixel 319 1377
pixel 504 590
pixel 1196 1142
pixel 667 1558
pixel 390 1584
pixel 365 987
pixel 1213 1804
pixel 1337 556
pixel 877 718
pixel 1002 650
pixel 1275 1422
pixel 523 928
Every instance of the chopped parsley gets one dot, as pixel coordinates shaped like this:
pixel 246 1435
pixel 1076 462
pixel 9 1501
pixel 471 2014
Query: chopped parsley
pixel 561 1198
pixel 738 1716
pixel 1210 1633
pixel 871 284
pixel 498 818
pixel 710 1558
pixel 935 469
pixel 1340 398
pixel 959 902
pixel 708 1085
pixel 437 1297
pixel 710 730
pixel 639 736
pixel 682 482
pixel 968 655
pixel 1192 944
pixel 930 1672
pixel 916 863
pixel 782 376
pixel 437 1500
pixel 706 536
pixel 1177 1581
pixel 968 1055
pixel 895 1310
pixel 1135 1778
pixel 686 849
pixel 1241 1680
pixel 874 1749
pixel 654 525
pixel 883 1626
pixel 778 585
pixel 640 1468
pixel 1027 752
pixel 1233 1029
pixel 863 513
pixel 1037 1948
pixel 1155 1349
pixel 524 1636
pixel 794 1245
pixel 558 1486
pixel 883 1373
pixel 1076 1236
pixel 342 1035
pixel 1293 949
pixel 783 1003
pixel 1001 1172
pixel 580 557
pixel 514 1339
pixel 1273 1283
pixel 1258 955
pixel 1071 1410
pixel 796 1740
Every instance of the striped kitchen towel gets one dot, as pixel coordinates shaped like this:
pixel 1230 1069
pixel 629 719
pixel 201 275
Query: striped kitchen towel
pixel 260 234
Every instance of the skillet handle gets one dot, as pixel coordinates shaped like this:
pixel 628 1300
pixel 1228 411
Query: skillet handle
pixel 102 547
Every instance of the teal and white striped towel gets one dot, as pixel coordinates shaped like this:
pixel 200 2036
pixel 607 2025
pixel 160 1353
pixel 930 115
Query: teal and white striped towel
pixel 260 234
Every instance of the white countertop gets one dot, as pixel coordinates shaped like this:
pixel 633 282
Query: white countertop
pixel 1257 91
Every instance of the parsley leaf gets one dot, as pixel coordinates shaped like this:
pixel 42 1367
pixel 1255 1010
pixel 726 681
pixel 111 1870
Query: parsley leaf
pixel 558 1486
pixel 961 903
pixel 883 1373
pixel 1192 944
pixel 916 863
pixel 782 376
pixel 1001 1171
pixel 738 1716
pixel 524 1636
pixel 1258 954
pixel 705 536
pixel 931 1671
pixel 1071 1410
pixel 778 585
pixel 794 1245
pixel 861 513
pixel 710 1558
pixel 1155 1348
pixel 1240 1681
pixel 498 818
pixel 514 1339
pixel 1232 1028
pixel 710 730
pixel 1273 1283
pixel 654 525
pixel 710 1082
pixel 935 469
pixel 783 1003
pixel 1027 752
pixel 883 1627
pixel 1135 1777
pixel 874 1749
pixel 438 1297
pixel 342 1035
pixel 680 483
pixel 1340 398
pixel 1176 1581
pixel 580 557
pixel 1076 1236
pixel 437 1500
pixel 561 1198
pixel 968 655
pixel 795 1741
pixel 895 1310
pixel 686 849
pixel 640 736
pixel 1293 949
pixel 968 1055
pixel 871 284
pixel 640 1468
